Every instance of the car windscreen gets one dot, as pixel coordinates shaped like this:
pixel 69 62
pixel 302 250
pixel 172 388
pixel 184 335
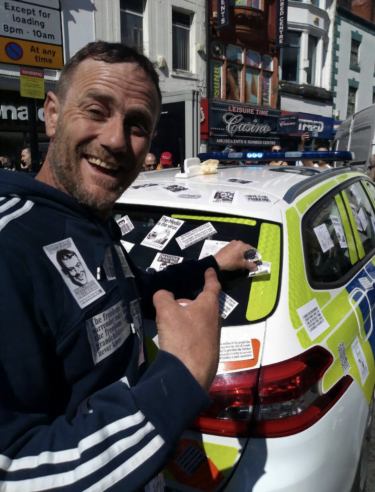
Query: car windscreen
pixel 155 238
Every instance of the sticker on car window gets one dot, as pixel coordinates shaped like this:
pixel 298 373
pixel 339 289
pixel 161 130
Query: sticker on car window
pixel 339 231
pixel 358 222
pixel 227 304
pixel 162 260
pixel 257 198
pixel 211 247
pixel 198 234
pixel 362 218
pixel 162 233
pixel 355 193
pixel 223 196
pixel 360 360
pixel 235 345
pixel 128 246
pixel 343 358
pixel 264 268
pixel 125 267
pixel 125 225
pixel 312 319
pixel 324 237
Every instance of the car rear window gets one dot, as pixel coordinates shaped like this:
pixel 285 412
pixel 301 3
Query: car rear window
pixel 256 296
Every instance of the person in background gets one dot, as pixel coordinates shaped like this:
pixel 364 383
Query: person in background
pixel 322 148
pixel 166 161
pixel 150 162
pixel 277 148
pixel 26 160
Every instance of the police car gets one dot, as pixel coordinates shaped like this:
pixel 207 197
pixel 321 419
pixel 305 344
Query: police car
pixel 292 400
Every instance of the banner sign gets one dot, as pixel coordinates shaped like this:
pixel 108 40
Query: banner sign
pixel 288 124
pixel 317 126
pixel 223 14
pixel 282 21
pixel 236 124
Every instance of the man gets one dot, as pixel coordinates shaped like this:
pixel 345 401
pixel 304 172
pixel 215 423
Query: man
pixel 277 148
pixel 322 148
pixel 79 409
pixel 150 162
pixel 26 160
pixel 165 161
pixel 71 266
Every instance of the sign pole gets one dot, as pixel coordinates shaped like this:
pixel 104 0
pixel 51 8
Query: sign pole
pixel 33 130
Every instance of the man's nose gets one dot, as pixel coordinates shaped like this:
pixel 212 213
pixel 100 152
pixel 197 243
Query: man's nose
pixel 113 135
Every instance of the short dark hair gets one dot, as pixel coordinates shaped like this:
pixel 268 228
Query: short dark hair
pixel 62 255
pixel 109 53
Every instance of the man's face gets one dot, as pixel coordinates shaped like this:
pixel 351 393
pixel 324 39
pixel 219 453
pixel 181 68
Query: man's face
pixel 103 132
pixel 25 158
pixel 74 270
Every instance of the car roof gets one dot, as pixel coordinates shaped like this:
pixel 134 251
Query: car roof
pixel 274 183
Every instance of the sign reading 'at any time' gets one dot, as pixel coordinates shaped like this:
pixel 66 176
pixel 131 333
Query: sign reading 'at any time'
pixel 30 22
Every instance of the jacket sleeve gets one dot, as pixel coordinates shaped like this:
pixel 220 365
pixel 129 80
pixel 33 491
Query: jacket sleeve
pixel 182 280
pixel 120 437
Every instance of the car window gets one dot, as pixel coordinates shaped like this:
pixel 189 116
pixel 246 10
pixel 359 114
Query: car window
pixel 237 285
pixel 364 217
pixel 327 243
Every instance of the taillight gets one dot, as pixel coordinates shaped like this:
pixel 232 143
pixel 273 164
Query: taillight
pixel 277 400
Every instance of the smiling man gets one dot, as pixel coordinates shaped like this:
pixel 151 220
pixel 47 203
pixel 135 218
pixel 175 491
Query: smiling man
pixel 79 407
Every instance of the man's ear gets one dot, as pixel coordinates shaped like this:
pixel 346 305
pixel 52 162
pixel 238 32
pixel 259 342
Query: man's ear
pixel 51 113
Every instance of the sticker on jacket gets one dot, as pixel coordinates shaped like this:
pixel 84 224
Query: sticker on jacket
pixel 107 331
pixel 73 270
pixel 108 265
pixel 162 233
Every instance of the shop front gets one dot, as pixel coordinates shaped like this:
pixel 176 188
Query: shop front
pixel 320 129
pixel 241 127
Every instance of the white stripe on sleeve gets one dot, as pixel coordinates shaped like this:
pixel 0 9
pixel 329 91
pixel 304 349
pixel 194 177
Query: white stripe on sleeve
pixel 5 220
pixel 9 204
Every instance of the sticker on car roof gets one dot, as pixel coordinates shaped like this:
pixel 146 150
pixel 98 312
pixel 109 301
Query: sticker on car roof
pixel 175 188
pixel 162 261
pixel 162 233
pixel 339 231
pixel 257 198
pixel 223 196
pixel 313 319
pixel 198 234
pixel 141 186
pixel 343 358
pixel 360 360
pixel 324 237
pixel 125 225
pixel 189 196
pixel 211 247
pixel 235 345
pixel 227 304
pixel 239 181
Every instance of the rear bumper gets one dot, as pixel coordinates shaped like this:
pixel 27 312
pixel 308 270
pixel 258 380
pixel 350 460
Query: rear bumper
pixel 323 458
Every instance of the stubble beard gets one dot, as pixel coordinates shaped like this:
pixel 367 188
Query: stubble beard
pixel 68 176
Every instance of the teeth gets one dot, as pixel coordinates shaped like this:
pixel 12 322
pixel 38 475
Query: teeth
pixel 98 162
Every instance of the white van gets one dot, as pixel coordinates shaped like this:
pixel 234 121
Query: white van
pixel 357 134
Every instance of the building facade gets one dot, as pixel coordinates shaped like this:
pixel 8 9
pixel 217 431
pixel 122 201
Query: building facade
pixel 353 78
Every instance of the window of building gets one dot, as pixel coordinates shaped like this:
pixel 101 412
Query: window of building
pixel 131 18
pixel 181 40
pixel 354 53
pixel 311 55
pixel 290 63
pixel 248 75
pixel 255 4
pixel 352 93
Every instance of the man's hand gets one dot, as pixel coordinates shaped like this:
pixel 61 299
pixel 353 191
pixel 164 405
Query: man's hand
pixel 231 257
pixel 192 332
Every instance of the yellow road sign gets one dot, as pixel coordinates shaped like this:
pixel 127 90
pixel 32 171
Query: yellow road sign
pixel 20 52
pixel 32 83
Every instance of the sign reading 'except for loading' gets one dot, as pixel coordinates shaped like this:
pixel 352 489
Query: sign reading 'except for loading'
pixel 30 33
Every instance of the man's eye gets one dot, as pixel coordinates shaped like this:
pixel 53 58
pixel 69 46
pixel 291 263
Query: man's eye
pixel 96 112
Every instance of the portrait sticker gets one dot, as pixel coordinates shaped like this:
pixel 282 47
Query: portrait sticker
pixel 211 247
pixel 107 331
pixel 108 264
pixel 125 225
pixel 360 360
pixel 162 233
pixel 127 246
pixel 175 188
pixel 343 358
pixel 239 181
pixel 192 237
pixel 355 193
pixel 224 196
pixel 124 263
pixel 142 186
pixel 257 198
pixel 227 304
pixel 235 345
pixel 363 219
pixel 189 196
pixel 339 231
pixel 69 263
pixel 162 260
pixel 358 222
pixel 324 237
pixel 313 319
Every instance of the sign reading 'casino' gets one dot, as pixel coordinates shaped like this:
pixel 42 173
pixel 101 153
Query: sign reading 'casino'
pixel 253 125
